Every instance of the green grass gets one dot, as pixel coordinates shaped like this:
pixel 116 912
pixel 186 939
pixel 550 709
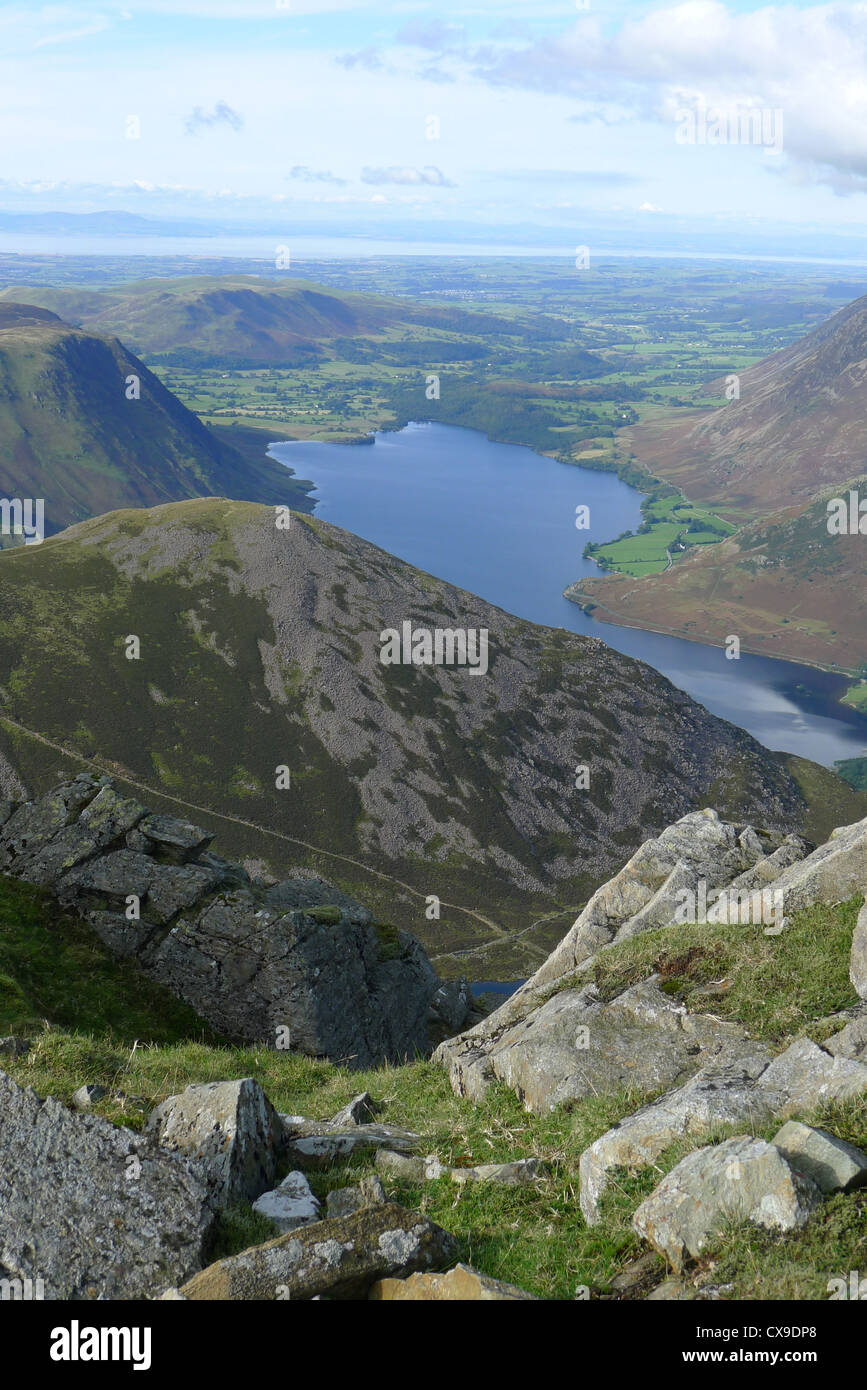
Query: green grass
pixel 84 1012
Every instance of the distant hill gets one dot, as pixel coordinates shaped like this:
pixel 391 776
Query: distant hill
pixel 260 649
pixel 248 321
pixel 69 433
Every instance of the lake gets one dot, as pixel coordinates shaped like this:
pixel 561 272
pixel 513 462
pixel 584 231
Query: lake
pixel 499 520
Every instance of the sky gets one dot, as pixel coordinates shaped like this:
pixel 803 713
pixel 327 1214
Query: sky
pixel 510 117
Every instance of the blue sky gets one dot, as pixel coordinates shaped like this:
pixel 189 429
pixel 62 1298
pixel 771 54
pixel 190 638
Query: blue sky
pixel 545 115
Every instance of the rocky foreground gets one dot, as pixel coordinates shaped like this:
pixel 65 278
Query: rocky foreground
pixel 298 964
pixel 96 1210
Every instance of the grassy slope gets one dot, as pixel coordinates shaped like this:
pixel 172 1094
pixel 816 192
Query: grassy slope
pixel 533 1237
pixel 69 435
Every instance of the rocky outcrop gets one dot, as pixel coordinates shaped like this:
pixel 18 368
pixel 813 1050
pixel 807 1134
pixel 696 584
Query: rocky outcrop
pixel 557 1040
pixel 743 1179
pixel 339 1258
pixel 832 1164
pixel 297 965
pixel 93 1210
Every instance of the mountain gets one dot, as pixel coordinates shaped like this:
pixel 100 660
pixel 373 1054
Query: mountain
pixel 798 427
pixel 785 586
pixel 250 321
pixel 773 460
pixel 69 433
pixel 260 656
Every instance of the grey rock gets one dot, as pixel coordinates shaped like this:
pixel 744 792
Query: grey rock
pixel 298 964
pixel 94 1210
pixel 290 1205
pixel 361 1110
pixel 851 1041
pixel 516 1174
pixel 13 1046
pixel 343 1201
pixel 311 1144
pixel 834 1165
pixel 88 1095
pixel 858 958
pixel 805 1076
pixel 720 1094
pixel 742 1179
pixel 175 839
pixel 401 1165
pixel 335 1259
pixel 831 874
pixel 575 1045
pixel 231 1131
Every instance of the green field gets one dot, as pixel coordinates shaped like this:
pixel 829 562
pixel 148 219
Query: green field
pixel 670 528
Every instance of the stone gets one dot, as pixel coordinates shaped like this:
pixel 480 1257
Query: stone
pixel 14 1046
pixel 335 1259
pixel 851 1041
pixel 672 1291
pixel 360 1110
pixel 720 1094
pixel 314 1145
pixel 462 1283
pixel 86 1096
pixel 832 1163
pixel 230 1130
pixel 342 1201
pixel 176 839
pixel 516 1174
pixel 398 1165
pixel 805 1076
pixel 574 1045
pixel 832 873
pixel 94 1210
pixel 858 958
pixel 290 1205
pixel 742 1179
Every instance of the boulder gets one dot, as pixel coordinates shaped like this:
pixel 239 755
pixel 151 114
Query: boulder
pixel 343 1201
pixel 834 1165
pixel 858 958
pixel 742 1179
pixel 230 1130
pixel 337 1259
pixel 719 1094
pixel 575 1045
pixel 806 1076
pixel 93 1210
pixel 461 1283
pixel 290 1205
pixel 13 1046
pixel 831 874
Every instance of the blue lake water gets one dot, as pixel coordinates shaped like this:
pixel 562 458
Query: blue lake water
pixel 499 520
